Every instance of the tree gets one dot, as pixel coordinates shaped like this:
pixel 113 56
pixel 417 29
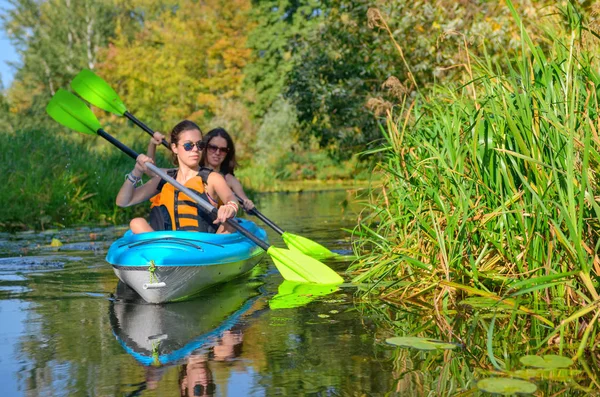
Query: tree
pixel 55 40
pixel 186 61
pixel 281 28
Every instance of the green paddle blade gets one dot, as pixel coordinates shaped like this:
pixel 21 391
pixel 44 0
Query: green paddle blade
pixel 70 111
pixel 306 246
pixel 97 92
pixel 292 294
pixel 295 266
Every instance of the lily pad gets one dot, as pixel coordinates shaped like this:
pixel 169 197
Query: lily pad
pixel 547 361
pixel 420 343
pixel 506 386
pixel 554 374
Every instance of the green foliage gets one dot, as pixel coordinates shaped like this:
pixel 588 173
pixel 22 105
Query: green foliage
pixel 185 61
pixel 52 181
pixel 490 187
pixel 277 39
pixel 277 134
pixel 342 63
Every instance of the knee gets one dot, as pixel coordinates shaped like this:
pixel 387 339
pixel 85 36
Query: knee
pixel 139 225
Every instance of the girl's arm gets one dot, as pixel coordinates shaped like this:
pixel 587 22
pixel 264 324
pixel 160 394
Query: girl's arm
pixel 129 194
pixel 217 184
pixel 237 188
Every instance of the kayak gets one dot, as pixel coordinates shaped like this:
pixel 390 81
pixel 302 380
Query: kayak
pixel 167 266
pixel 160 335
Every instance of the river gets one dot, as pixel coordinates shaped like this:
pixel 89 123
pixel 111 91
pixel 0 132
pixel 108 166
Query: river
pixel 69 329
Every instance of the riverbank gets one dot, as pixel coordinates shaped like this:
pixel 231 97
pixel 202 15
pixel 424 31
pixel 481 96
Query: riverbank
pixel 487 222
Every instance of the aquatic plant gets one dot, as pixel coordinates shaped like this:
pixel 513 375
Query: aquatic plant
pixel 490 190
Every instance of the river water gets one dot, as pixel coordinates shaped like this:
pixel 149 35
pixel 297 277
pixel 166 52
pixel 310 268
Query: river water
pixel 69 329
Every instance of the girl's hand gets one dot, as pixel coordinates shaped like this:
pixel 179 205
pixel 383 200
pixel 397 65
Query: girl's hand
pixel 248 205
pixel 225 212
pixel 157 138
pixel 140 165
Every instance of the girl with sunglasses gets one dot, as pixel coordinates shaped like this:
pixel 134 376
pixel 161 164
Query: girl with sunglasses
pixel 174 210
pixel 219 155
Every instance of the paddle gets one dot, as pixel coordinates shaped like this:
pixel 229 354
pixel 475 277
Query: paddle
pixel 293 241
pixel 98 92
pixel 72 112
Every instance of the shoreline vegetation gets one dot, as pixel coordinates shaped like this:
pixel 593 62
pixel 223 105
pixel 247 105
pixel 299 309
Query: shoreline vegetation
pixel 485 233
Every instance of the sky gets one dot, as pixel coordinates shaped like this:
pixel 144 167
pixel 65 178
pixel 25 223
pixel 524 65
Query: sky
pixel 7 52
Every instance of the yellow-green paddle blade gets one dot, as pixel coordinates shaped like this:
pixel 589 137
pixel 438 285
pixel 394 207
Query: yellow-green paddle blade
pixel 293 294
pixel 295 266
pixel 307 246
pixel 96 91
pixel 70 111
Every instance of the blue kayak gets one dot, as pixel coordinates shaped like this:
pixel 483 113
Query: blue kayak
pixel 167 266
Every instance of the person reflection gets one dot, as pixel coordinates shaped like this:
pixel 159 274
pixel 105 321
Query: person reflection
pixel 153 377
pixel 229 346
pixel 195 376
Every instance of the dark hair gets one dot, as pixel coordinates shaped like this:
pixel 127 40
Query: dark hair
pixel 185 125
pixel 229 163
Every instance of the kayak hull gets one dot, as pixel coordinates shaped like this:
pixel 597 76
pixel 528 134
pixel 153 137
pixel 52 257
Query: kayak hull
pixel 171 266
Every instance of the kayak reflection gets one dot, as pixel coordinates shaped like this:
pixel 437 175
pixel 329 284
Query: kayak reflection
pixel 158 335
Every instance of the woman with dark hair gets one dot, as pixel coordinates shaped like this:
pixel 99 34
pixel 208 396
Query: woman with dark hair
pixel 219 155
pixel 174 210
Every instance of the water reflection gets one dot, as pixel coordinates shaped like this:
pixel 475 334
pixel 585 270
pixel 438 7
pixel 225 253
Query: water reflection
pixel 196 377
pixel 166 334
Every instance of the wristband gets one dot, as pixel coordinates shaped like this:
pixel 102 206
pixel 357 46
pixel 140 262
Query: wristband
pixel 133 179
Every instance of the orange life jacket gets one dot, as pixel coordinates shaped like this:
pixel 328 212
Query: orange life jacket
pixel 184 213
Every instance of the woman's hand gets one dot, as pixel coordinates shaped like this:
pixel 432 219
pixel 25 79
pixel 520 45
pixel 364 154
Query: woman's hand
pixel 225 212
pixel 140 166
pixel 248 204
pixel 157 138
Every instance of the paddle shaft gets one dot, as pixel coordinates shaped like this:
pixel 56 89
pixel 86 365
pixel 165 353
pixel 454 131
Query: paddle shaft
pixel 260 216
pixel 144 127
pixel 205 206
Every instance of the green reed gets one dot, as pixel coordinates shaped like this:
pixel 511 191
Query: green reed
pixel 490 190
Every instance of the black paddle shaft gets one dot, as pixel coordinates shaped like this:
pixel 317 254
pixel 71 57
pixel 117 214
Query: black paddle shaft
pixel 260 216
pixel 205 206
pixel 144 127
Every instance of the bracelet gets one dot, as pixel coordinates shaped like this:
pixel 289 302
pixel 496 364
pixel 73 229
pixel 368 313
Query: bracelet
pixel 234 205
pixel 135 180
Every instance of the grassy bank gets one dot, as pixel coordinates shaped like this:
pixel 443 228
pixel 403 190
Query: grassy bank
pixel 490 191
pixel 55 180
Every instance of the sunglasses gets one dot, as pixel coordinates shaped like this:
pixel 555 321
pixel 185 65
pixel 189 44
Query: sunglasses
pixel 216 149
pixel 190 145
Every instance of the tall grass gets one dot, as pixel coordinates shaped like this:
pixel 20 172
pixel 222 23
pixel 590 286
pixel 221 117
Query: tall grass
pixel 490 188
pixel 52 180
